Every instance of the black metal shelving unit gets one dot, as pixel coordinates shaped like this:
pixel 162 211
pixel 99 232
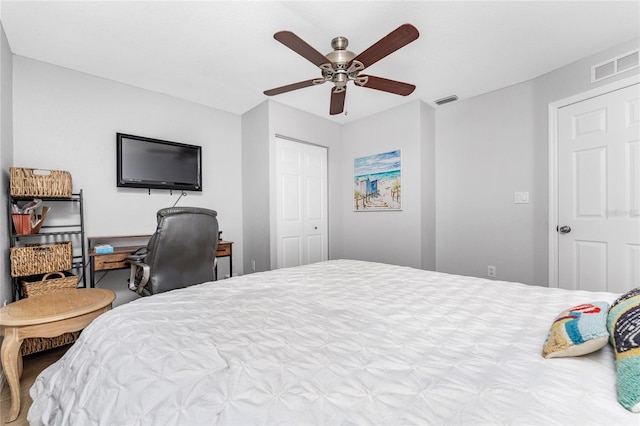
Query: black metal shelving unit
pixel 72 231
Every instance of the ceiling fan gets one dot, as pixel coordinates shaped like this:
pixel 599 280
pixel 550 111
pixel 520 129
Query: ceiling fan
pixel 341 66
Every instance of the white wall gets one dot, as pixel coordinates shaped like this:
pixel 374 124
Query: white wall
pixel 255 188
pixel 484 154
pixel 67 120
pixel 428 186
pixel 389 236
pixel 6 157
pixel 487 148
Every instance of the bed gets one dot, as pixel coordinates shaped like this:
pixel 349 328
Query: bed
pixel 337 342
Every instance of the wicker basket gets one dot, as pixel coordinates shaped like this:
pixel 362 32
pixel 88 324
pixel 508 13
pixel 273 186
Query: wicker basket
pixel 41 258
pixel 43 284
pixel 40 183
pixel 31 345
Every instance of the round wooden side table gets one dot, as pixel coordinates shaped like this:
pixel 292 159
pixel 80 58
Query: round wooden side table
pixel 47 315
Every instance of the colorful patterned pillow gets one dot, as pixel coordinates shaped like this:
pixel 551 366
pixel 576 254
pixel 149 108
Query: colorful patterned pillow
pixel 623 323
pixel 578 331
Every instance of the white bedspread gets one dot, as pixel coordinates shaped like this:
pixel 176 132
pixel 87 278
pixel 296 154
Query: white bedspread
pixel 339 342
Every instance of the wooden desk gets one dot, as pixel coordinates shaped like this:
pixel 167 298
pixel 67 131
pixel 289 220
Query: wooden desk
pixel 47 315
pixel 126 245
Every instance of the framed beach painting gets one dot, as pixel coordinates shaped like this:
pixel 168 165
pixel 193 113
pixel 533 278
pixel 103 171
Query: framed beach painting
pixel 377 182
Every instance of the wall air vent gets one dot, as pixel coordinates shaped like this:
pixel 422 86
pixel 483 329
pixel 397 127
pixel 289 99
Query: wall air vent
pixel 446 100
pixel 615 66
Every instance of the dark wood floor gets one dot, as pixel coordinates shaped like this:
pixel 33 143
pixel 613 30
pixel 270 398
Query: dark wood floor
pixel 32 366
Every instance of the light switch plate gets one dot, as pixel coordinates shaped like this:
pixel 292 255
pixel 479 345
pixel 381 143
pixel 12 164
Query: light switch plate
pixel 521 198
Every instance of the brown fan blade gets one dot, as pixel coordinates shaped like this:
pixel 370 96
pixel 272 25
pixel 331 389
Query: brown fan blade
pixel 301 47
pixel 393 41
pixel 337 102
pixel 290 87
pixel 386 85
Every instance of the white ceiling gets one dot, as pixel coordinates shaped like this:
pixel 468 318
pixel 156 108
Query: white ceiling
pixel 222 53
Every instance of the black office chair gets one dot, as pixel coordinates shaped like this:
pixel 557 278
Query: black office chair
pixel 180 253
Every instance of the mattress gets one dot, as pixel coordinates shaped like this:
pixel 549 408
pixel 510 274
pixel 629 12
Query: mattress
pixel 337 342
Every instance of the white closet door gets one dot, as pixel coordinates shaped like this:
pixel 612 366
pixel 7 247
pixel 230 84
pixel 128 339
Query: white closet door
pixel 301 203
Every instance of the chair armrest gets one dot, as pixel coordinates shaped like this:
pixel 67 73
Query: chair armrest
pixel 135 262
pixel 138 255
pixel 134 258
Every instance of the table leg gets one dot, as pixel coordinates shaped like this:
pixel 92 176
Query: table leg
pixel 12 366
pixel 20 365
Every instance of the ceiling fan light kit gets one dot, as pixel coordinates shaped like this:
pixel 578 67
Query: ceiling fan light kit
pixel 341 65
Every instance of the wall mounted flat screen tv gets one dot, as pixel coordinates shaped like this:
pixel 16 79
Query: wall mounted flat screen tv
pixel 158 164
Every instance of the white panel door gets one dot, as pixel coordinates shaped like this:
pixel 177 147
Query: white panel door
pixel 599 192
pixel 301 203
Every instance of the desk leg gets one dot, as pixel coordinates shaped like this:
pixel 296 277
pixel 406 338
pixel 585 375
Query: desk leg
pixel 92 271
pixel 12 366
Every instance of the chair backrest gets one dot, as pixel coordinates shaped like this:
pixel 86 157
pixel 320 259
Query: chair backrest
pixel 182 250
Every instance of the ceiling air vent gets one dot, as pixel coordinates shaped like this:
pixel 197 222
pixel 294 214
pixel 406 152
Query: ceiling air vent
pixel 615 66
pixel 446 100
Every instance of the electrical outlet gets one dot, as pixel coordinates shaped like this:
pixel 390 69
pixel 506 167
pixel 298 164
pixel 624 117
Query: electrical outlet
pixel 253 265
pixel 491 271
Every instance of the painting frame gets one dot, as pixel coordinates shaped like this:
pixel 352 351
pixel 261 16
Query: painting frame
pixel 377 182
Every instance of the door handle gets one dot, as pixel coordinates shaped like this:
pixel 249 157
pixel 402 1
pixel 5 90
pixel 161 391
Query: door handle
pixel 563 229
